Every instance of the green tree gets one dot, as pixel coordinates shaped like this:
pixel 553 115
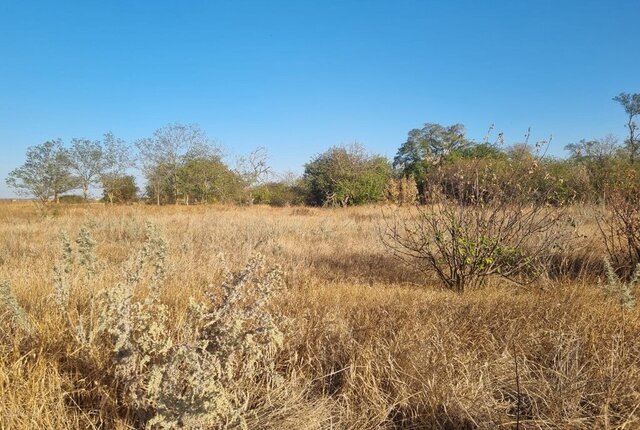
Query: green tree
pixel 163 153
pixel 45 174
pixel 277 194
pixel 120 189
pixel 207 179
pixel 427 147
pixel 87 162
pixel 254 170
pixel 631 105
pixel 484 151
pixel 598 157
pixel 117 159
pixel 346 175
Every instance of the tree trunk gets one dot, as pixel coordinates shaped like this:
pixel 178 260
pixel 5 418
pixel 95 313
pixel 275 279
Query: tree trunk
pixel 632 144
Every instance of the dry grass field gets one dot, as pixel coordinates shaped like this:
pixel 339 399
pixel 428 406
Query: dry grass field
pixel 345 335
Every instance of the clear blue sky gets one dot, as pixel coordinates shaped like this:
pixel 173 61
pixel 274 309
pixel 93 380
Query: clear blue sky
pixel 299 76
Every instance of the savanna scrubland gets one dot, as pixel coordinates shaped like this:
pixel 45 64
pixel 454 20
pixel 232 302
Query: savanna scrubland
pixel 465 285
pixel 216 316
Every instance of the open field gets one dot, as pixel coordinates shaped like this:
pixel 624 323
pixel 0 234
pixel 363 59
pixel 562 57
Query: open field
pixel 368 342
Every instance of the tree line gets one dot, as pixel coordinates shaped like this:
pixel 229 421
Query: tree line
pixel 181 164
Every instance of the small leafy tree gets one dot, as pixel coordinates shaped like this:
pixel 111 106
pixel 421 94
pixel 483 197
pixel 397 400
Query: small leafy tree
pixel 598 157
pixel 163 153
pixel 427 147
pixel 253 169
pixel 631 105
pixel 87 162
pixel 346 175
pixel 117 159
pixel 45 174
pixel 207 179
pixel 120 189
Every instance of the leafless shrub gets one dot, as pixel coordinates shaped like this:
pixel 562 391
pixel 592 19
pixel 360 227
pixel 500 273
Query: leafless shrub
pixel 483 231
pixel 620 228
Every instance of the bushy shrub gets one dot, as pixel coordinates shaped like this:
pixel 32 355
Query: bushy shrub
pixel 476 228
pixel 71 198
pixel 277 194
pixel 403 191
pixel 119 189
pixel 203 378
pixel 614 287
pixel 346 175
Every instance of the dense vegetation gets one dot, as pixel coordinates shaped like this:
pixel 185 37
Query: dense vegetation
pixel 182 165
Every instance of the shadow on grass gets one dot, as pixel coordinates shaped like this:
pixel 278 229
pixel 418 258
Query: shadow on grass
pixel 369 267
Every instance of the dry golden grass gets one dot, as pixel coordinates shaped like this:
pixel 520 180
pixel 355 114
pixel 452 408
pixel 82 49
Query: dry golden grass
pixel 369 343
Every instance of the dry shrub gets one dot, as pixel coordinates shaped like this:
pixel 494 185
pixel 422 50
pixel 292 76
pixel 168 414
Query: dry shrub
pixel 205 378
pixel 303 211
pixel 620 229
pixel 464 245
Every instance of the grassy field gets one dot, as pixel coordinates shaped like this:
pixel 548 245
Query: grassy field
pixel 364 341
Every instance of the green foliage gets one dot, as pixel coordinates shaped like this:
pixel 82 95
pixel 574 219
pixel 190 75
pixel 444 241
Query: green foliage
pixel 427 147
pixel 278 194
pixel 206 179
pixel 119 188
pixel 345 176
pixel 474 151
pixel 71 198
pixel 163 154
pixel 631 106
pixel 87 162
pixel 45 174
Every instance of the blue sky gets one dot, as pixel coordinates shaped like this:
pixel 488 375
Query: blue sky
pixel 299 76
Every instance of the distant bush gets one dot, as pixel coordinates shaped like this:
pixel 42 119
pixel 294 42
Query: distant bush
pixel 403 191
pixel 344 176
pixel 71 198
pixel 119 189
pixel 277 194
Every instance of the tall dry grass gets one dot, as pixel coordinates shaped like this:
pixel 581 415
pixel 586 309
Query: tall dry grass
pixel 367 342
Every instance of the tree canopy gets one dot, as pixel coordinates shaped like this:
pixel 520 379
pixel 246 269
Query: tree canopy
pixel 45 173
pixel 346 175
